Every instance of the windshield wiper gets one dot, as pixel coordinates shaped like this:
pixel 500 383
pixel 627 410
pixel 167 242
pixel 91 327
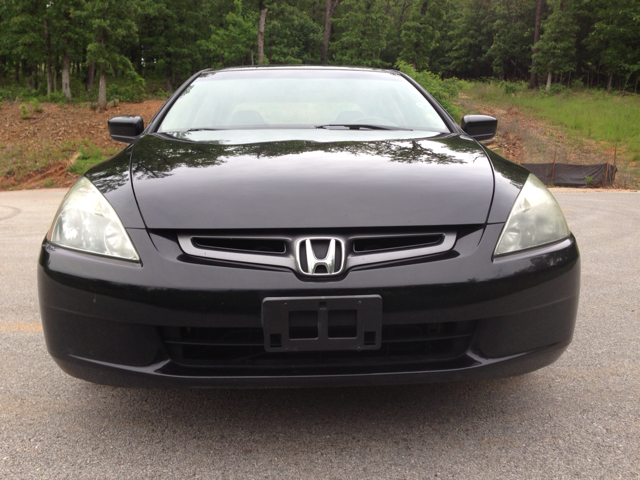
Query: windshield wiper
pixel 361 126
pixel 200 130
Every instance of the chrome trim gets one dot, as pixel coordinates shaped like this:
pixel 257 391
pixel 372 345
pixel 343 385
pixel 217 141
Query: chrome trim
pixel 271 259
pixel 313 262
pixel 291 260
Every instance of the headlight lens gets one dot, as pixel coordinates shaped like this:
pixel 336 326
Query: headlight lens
pixel 535 219
pixel 86 221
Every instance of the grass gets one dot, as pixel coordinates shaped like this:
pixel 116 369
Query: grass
pixel 18 163
pixel 90 155
pixel 593 114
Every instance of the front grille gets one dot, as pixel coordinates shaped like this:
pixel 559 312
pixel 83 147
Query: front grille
pixel 255 245
pixel 240 351
pixel 288 249
pixel 393 242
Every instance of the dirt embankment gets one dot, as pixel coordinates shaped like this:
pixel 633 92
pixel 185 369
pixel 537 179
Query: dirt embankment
pixel 35 143
pixel 523 138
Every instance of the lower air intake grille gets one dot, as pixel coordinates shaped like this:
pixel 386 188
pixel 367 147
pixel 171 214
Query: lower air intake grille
pixel 240 351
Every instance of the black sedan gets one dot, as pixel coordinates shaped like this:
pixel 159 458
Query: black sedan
pixel 306 226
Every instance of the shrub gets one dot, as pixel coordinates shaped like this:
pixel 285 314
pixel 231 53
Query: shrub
pixel 556 89
pixel 510 88
pixel 57 97
pixel 24 111
pixel 36 105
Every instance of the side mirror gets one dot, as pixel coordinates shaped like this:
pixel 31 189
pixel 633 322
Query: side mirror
pixel 125 129
pixel 480 127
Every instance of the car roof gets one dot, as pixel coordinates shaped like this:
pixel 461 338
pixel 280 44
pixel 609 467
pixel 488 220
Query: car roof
pixel 303 67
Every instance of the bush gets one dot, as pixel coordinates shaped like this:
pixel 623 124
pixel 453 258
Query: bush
pixel 443 90
pixel 24 111
pixel 36 105
pixel 556 89
pixel 57 97
pixel 510 88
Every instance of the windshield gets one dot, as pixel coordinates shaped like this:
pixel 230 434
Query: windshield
pixel 301 98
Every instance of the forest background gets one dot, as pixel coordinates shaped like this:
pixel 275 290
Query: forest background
pixel 524 53
pixel 58 47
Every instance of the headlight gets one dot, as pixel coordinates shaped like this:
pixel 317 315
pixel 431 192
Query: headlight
pixel 535 219
pixel 86 221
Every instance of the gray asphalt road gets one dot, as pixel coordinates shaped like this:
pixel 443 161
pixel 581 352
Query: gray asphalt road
pixel 579 418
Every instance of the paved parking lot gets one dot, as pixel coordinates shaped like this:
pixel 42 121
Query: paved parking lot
pixel 579 418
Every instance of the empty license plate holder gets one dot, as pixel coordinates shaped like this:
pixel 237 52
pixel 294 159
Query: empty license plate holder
pixel 298 324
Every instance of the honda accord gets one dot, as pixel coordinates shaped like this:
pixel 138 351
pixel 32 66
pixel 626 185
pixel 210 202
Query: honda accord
pixel 306 226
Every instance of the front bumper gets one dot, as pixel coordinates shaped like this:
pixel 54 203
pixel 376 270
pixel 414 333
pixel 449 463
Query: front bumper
pixel 116 323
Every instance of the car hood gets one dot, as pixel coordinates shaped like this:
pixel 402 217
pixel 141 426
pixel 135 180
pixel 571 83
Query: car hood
pixel 441 180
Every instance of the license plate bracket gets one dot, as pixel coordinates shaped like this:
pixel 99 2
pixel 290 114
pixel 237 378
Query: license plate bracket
pixel 298 324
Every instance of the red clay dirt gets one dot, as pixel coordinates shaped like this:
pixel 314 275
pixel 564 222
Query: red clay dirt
pixel 55 124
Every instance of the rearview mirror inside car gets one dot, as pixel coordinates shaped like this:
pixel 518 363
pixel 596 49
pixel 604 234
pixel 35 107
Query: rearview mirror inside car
pixel 125 128
pixel 480 127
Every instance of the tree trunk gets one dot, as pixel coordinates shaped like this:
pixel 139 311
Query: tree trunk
pixel 48 47
pixel 549 82
pixel 263 20
pixel 610 83
pixel 533 81
pixel 102 90
pixel 66 67
pixel 331 8
pixel 91 73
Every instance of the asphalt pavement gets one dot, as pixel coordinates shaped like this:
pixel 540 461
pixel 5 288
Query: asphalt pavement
pixel 578 418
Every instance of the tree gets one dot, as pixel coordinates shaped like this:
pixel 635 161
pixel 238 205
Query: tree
pixel 113 23
pixel 615 38
pixel 331 6
pixel 533 80
pixel 23 35
pixel 513 33
pixel 69 33
pixel 292 37
pixel 233 43
pixel 556 48
pixel 169 31
pixel 420 33
pixel 363 26
pixel 471 38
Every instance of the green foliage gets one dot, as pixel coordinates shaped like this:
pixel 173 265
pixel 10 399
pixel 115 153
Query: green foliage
pixel 556 88
pixel 90 155
pixel 513 28
pixel 421 32
pixel 614 38
pixel 445 91
pixel 588 180
pixel 556 48
pixel 291 36
pixel 35 103
pixel 362 27
pixel 510 88
pixel 234 43
pixel 24 111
